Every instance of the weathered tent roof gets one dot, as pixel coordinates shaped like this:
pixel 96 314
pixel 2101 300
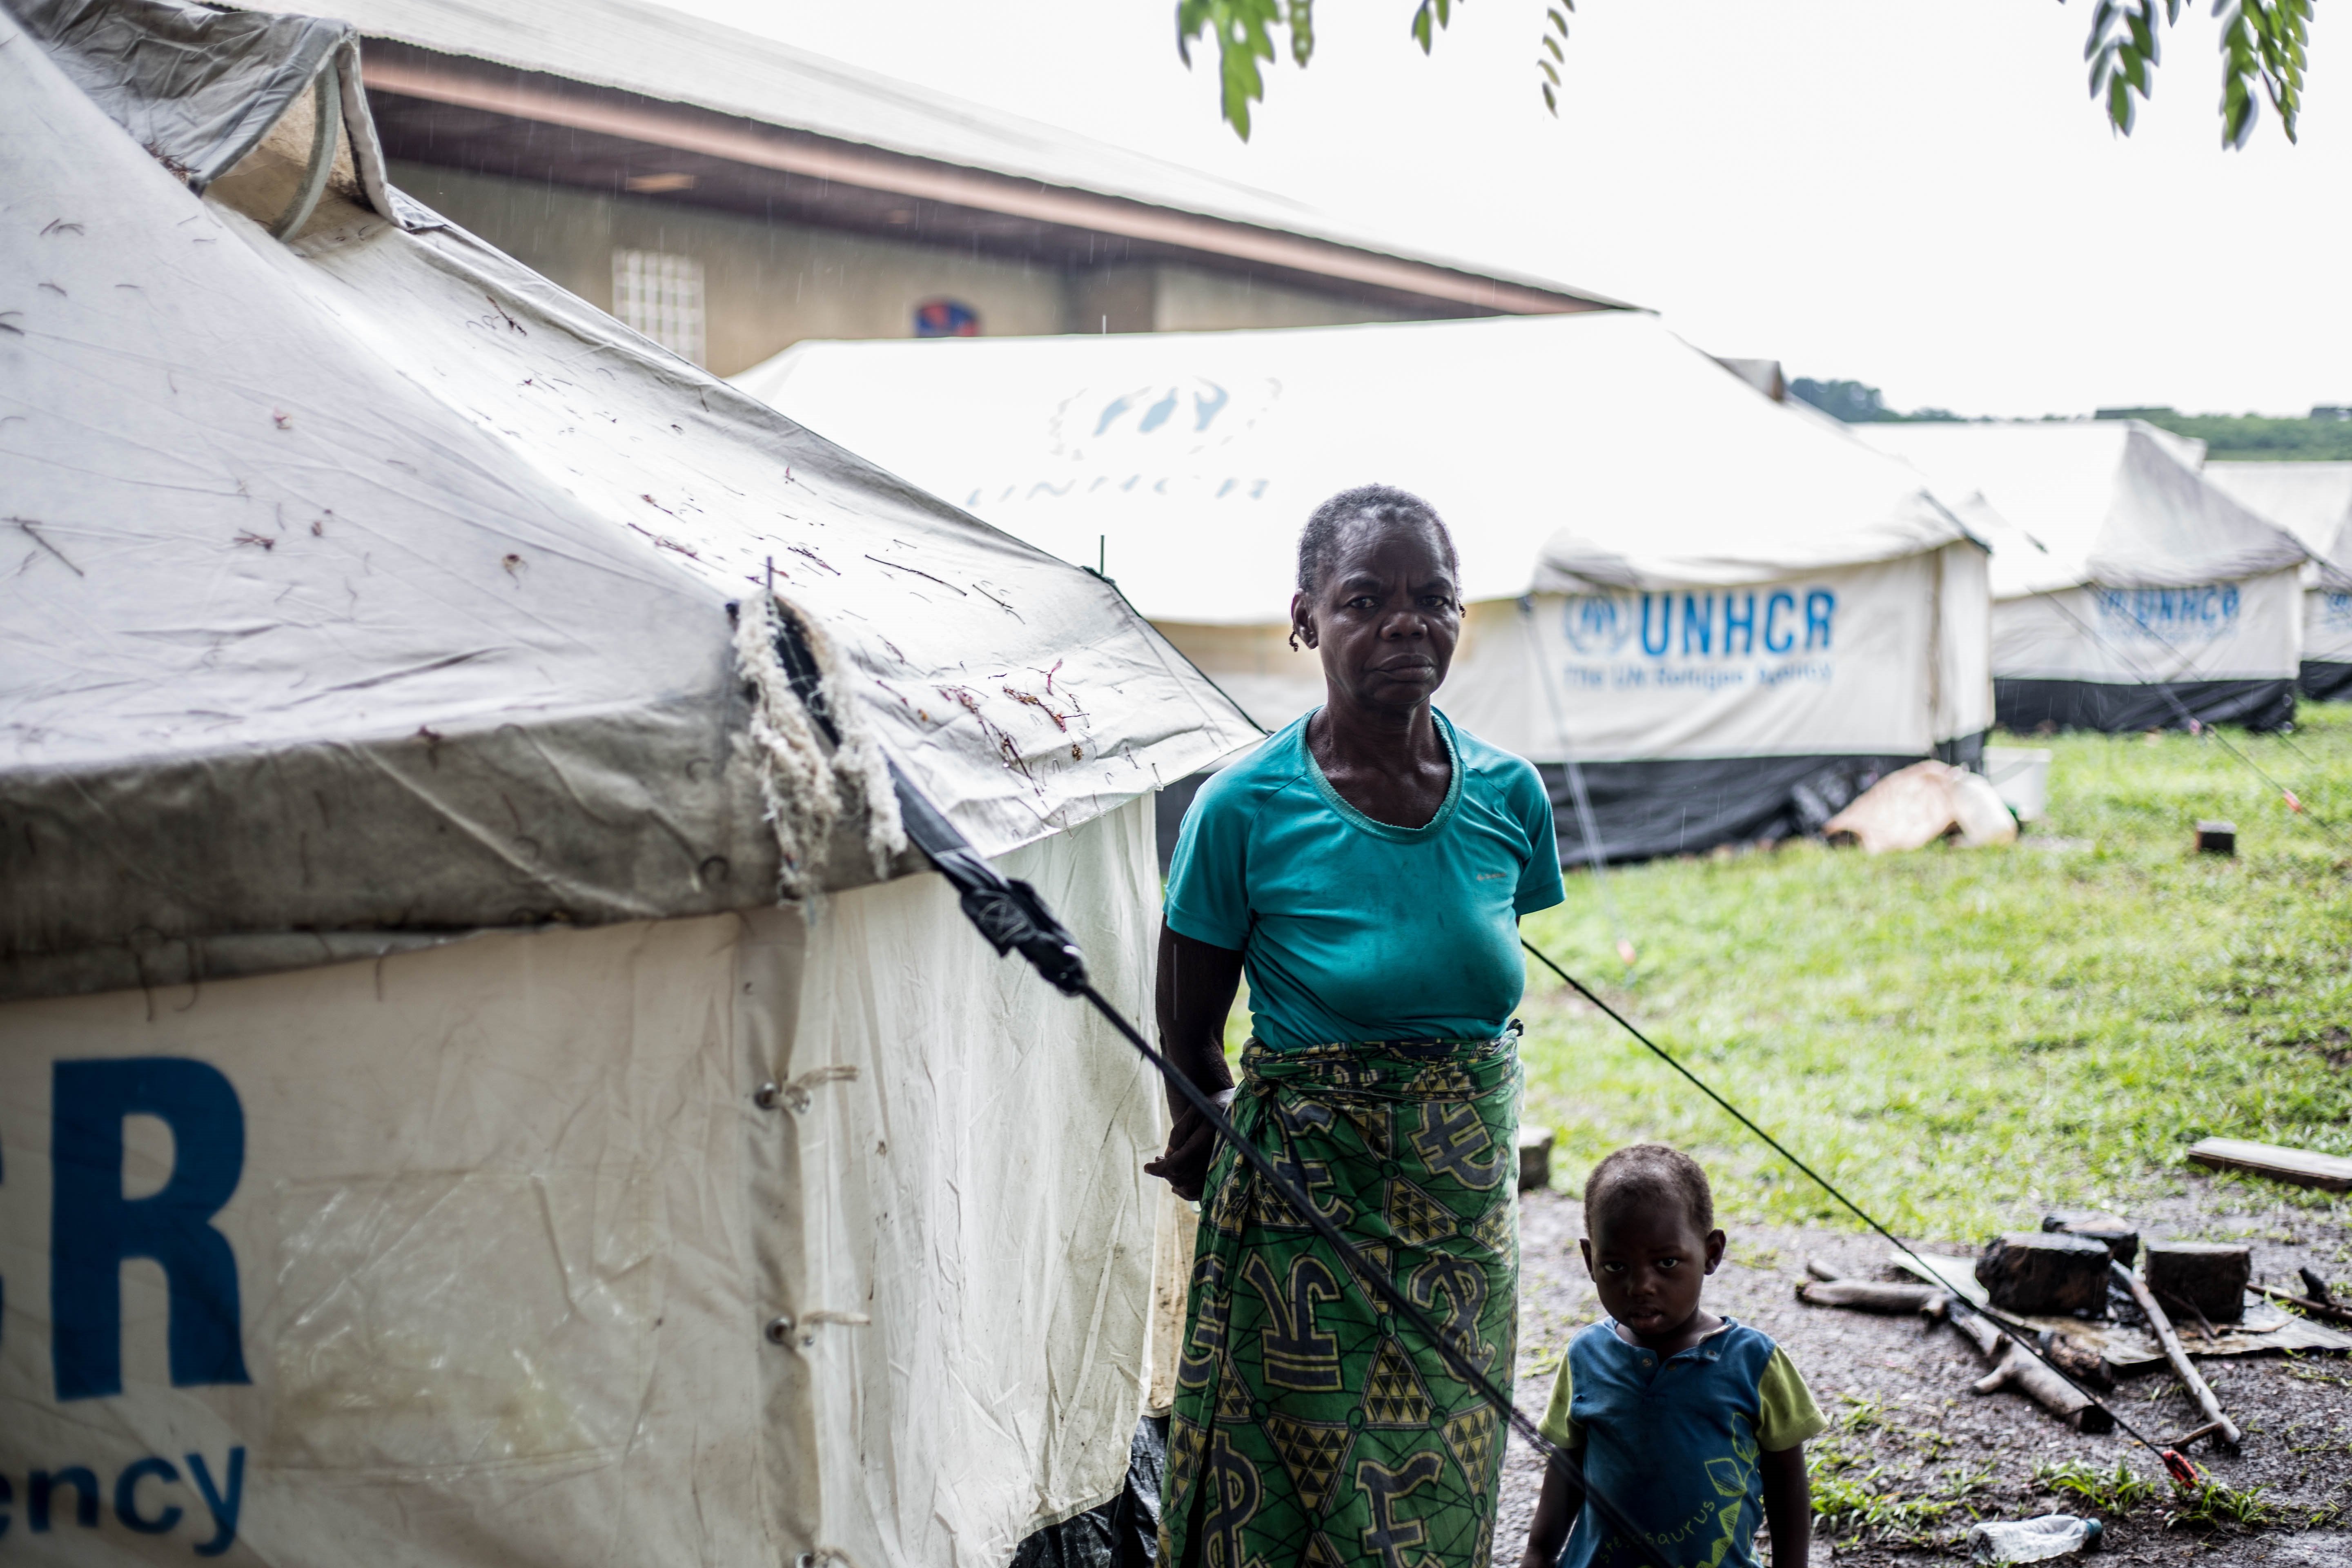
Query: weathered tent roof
pixel 2311 500
pixel 1587 451
pixel 2111 502
pixel 373 585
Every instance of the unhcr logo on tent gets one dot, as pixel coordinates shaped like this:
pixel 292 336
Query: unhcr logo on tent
pixel 2202 614
pixel 1736 624
pixel 2335 609
pixel 1155 421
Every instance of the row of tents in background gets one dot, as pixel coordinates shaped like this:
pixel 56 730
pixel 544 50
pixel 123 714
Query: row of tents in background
pixel 1729 613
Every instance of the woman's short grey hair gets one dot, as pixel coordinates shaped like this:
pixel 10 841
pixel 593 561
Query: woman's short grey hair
pixel 1384 505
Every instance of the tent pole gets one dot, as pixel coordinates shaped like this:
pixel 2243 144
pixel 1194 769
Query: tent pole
pixel 1584 822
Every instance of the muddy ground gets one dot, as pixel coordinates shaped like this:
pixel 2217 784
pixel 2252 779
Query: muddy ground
pixel 1896 1393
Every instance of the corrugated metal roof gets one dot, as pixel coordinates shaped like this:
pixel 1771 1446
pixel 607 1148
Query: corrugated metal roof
pixel 671 56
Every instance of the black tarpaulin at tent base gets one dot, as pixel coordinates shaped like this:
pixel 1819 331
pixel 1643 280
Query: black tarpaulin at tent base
pixel 2323 681
pixel 1122 1534
pixel 2029 705
pixel 1690 805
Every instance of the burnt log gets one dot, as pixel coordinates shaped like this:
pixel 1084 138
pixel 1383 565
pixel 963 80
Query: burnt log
pixel 2208 1275
pixel 2046 1274
pixel 2017 1370
pixel 2046 1388
pixel 2121 1238
pixel 2078 1360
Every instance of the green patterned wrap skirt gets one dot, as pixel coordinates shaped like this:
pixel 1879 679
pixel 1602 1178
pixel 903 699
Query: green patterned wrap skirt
pixel 1309 1429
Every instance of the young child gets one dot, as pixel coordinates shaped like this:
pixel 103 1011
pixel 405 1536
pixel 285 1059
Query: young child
pixel 1692 1425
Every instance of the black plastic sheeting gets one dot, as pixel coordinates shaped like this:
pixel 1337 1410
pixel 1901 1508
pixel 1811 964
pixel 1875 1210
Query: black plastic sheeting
pixel 2026 706
pixel 1688 806
pixel 2325 682
pixel 1123 1532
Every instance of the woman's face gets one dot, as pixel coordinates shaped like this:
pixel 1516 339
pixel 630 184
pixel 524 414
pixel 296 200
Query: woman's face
pixel 1386 618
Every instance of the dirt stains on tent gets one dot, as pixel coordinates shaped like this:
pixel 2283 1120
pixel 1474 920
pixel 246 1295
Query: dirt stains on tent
pixel 34 533
pixel 918 572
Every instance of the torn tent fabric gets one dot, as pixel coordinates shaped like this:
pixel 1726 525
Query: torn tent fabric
pixel 372 588
pixel 371 598
pixel 1733 614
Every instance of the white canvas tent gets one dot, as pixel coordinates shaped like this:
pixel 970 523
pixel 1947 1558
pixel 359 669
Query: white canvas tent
pixel 2128 592
pixel 2313 502
pixel 397 780
pixel 1734 615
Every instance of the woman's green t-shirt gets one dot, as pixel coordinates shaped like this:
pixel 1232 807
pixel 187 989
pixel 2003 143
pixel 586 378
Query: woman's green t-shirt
pixel 1354 929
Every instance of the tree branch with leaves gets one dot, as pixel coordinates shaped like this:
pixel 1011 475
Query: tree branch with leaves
pixel 2263 48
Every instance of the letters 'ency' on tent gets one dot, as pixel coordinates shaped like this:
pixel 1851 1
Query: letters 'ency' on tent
pixel 397 781
pixel 1731 615
pixel 2313 502
pixel 2128 592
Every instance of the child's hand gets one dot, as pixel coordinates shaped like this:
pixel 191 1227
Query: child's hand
pixel 1549 1531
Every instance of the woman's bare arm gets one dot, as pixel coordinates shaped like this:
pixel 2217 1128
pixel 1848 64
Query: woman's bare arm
pixel 1197 987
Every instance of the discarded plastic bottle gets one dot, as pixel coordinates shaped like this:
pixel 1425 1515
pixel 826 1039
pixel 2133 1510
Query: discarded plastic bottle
pixel 2004 1541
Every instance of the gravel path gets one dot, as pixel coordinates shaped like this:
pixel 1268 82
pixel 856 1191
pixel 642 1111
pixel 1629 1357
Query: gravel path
pixel 1897 1390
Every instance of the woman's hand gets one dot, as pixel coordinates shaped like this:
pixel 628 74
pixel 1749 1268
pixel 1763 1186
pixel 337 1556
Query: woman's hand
pixel 1191 1144
pixel 1197 986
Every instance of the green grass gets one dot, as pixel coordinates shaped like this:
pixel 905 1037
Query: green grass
pixel 1876 1478
pixel 2113 1491
pixel 1963 1039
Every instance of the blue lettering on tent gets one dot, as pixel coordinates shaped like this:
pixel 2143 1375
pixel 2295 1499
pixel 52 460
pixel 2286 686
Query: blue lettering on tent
pixel 40 1496
pixel 1603 625
pixel 222 1503
pixel 1740 615
pixel 1820 606
pixel 1206 409
pixel 70 1494
pixel 2169 615
pixel 1698 624
pixel 126 1496
pixel 93 1227
pixel 1665 607
pixel 2335 609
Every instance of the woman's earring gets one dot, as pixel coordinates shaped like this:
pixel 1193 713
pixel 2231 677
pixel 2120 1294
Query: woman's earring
pixel 1293 640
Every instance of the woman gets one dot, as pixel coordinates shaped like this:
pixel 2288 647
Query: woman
pixel 1367 866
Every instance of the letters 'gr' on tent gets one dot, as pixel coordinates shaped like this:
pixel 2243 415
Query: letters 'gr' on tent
pixel 1731 615
pixel 2313 502
pixel 2128 592
pixel 398 774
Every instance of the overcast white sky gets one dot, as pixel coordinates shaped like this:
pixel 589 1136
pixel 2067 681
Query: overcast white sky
pixel 1911 193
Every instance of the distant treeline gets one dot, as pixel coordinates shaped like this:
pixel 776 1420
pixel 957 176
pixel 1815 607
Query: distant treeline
pixel 2326 435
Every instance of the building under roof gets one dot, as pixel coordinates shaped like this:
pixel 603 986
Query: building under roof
pixel 730 195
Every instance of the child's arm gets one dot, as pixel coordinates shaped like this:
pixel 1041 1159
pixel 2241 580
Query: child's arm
pixel 1554 1515
pixel 1787 1505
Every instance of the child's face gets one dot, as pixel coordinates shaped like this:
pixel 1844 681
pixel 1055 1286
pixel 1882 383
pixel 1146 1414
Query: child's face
pixel 1649 1263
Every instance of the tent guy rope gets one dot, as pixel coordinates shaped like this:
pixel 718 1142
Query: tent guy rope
pixel 1009 915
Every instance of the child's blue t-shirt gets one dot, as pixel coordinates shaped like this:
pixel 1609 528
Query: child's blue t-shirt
pixel 1355 930
pixel 1674 1444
